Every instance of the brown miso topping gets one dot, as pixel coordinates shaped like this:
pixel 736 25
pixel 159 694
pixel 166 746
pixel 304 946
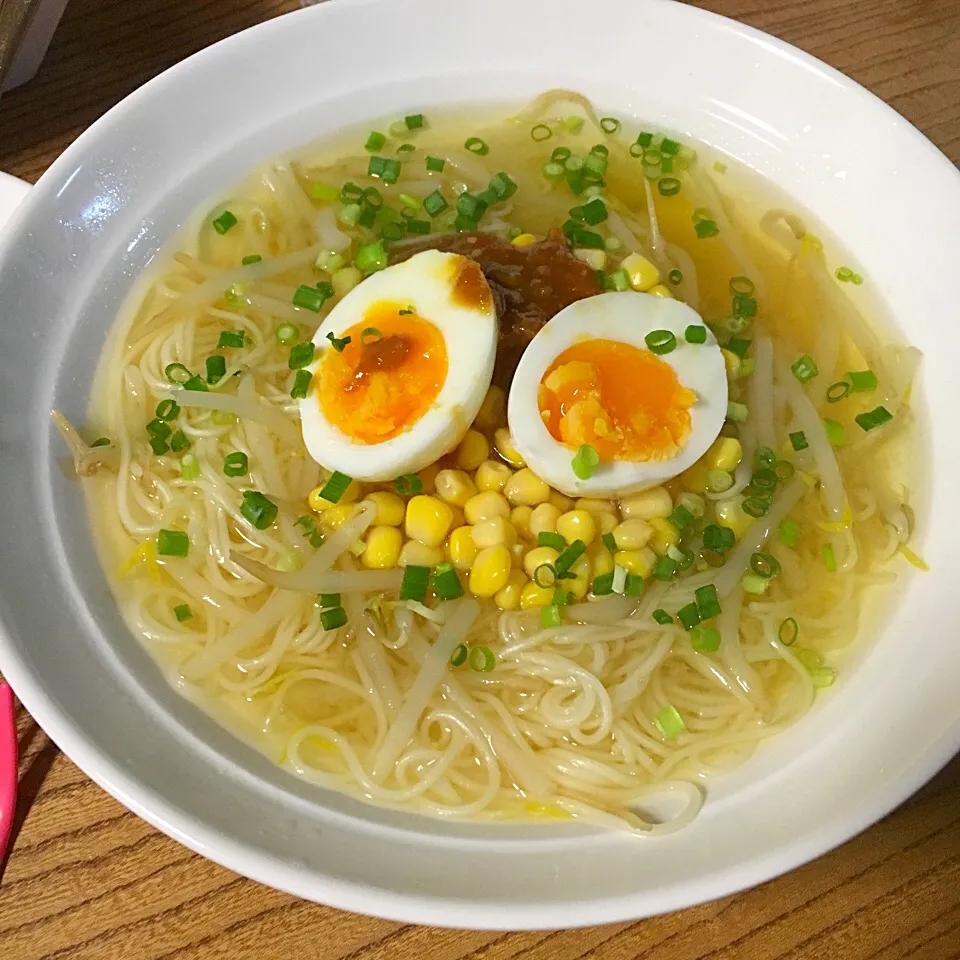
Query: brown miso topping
pixel 529 284
pixel 470 287
pixel 383 353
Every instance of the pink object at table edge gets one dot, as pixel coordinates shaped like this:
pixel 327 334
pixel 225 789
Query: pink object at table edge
pixel 8 765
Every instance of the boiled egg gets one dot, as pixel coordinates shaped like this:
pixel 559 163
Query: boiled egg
pixel 401 365
pixel 589 378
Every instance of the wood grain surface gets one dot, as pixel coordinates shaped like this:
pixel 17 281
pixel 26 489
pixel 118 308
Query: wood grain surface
pixel 87 879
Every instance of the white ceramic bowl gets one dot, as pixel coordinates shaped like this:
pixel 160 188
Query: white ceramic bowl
pixel 101 212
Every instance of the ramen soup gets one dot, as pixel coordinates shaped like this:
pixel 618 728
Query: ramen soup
pixel 536 470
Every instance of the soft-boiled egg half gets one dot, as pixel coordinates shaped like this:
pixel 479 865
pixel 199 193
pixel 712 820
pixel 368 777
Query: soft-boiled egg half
pixel 589 378
pixel 401 367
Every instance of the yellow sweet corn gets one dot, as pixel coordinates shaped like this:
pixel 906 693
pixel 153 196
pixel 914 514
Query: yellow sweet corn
pixel 428 520
pixel 474 448
pixel 543 519
pixel 639 562
pixel 537 557
pixel 577 525
pixel 483 506
pixel 526 488
pixel 633 534
pixel 730 514
pixel 490 571
pixel 521 517
pixel 428 475
pixel 562 502
pixel 533 596
pixel 580 583
pixel 508 596
pixel 492 475
pixel 695 478
pixel 390 508
pixel 601 558
pixel 455 486
pixel 659 290
pixel 593 505
pixel 336 516
pixel 641 273
pixel 665 535
pixel 488 533
pixel 504 444
pixel 461 548
pixel 655 502
pixel 416 554
pixel 383 548
pixel 524 240
pixel 725 453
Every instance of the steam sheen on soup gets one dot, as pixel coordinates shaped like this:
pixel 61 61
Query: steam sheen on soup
pixel 522 472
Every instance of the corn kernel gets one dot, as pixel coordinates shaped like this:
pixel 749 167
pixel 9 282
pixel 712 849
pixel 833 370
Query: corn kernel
pixel 695 478
pixel 580 583
pixel 525 487
pixel 537 557
pixel 659 290
pixel 493 410
pixel 428 476
pixel 601 558
pixel 317 502
pixel 353 493
pixel 655 502
pixel 520 517
pixel 639 562
pixel 335 517
pixel 732 362
pixel 533 596
pixel 383 548
pixel 730 514
pixel 458 516
pixel 633 534
pixel 483 506
pixel 488 533
pixel 504 444
pixel 665 535
pixel 594 259
pixel 641 273
pixel 454 486
pixel 461 549
pixel 345 279
pixel 562 502
pixel 725 453
pixel 490 571
pixel 592 505
pixel 390 508
pixel 524 240
pixel 606 522
pixel 428 520
pixel 577 525
pixel 508 596
pixel 473 450
pixel 544 519
pixel 492 475
pixel 516 553
pixel 417 554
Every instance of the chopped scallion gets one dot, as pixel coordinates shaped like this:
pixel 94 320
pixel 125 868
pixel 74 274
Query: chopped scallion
pixel 301 385
pixel 408 485
pixel 660 342
pixel 231 338
pixel 415 582
pixel 789 531
pixel 836 432
pixel 236 464
pixel 585 462
pixel 798 440
pixel 862 381
pixel 546 538
pixel 804 369
pixel 338 344
pixel 182 612
pixel 669 722
pixel 788 632
pixel 695 333
pixel 286 333
pixel 459 656
pixel 224 222
pixel 829 558
pixel 335 487
pixel 216 368
pixel 550 616
pixel 446 582
pixel 610 542
pixel 873 418
pixel 301 355
pixel 258 509
pixel 662 617
pixel 333 618
pixel 173 543
pixel 705 639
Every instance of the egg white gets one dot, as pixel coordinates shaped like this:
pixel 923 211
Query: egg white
pixel 426 282
pixel 627 318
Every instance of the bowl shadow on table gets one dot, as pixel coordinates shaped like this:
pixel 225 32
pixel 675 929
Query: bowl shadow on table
pixel 79 80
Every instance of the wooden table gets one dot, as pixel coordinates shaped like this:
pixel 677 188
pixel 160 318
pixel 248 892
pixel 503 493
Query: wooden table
pixel 88 879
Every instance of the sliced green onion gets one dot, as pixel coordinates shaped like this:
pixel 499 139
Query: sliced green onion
pixel 675 276
pixel 335 487
pixel 459 656
pixel 301 385
pixel 609 541
pixel 351 193
pixel 669 722
pixel 707 600
pixel 602 584
pixel 763 480
pixel 196 383
pixel 251 258
pixel 231 338
pixel 764 565
pixel 609 124
pixel 705 229
pixel 754 507
pixel 371 257
pixel 338 344
pixel 550 616
pixel 236 464
pixel 286 333
pixel 333 618
pixel 166 410
pixel 660 342
pixel 873 418
pixel 540 132
pixel 846 275
pixel 545 575
pixel 718 481
pixel 823 677
pixel 789 531
pixel 788 632
pixel 633 585
pixel 737 412
pixel 301 355
pixel 862 381
pixel 414 121
pixel 375 141
pixel 177 373
pixel 446 582
pixel 570 556
pixel 224 222
pixel 328 600
pixel 435 203
pixel 668 186
pixel 179 441
pixel 662 617
pixel 502 185
pixel 216 368
pixel 408 484
pixel 373 334
pixel 585 462
pixel 415 582
pixel 836 432
pixel 681 518
pixel 436 164
pixel 798 440
pixel 829 558
pixel 547 539
pixel 258 509
pixel 689 616
pixel 664 568
pixel 753 584
pixel 309 527
pixel 182 612
pixel 592 213
pixel 189 467
pixel 718 538
pixel 477 146
pixel 310 298
pixel 739 346
pixel 102 442
pixel 482 659
pixel 804 369
pixel 173 543
pixel 418 226
pixel 552 170
pixel 705 639
pixel 695 333
pixel 405 148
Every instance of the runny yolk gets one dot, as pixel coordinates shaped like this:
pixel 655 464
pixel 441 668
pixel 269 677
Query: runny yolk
pixel 387 376
pixel 625 402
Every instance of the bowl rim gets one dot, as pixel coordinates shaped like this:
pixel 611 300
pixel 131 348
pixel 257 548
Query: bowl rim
pixel 408 906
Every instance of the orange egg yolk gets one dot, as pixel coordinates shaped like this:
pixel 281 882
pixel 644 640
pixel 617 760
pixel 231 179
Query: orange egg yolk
pixel 386 377
pixel 624 402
